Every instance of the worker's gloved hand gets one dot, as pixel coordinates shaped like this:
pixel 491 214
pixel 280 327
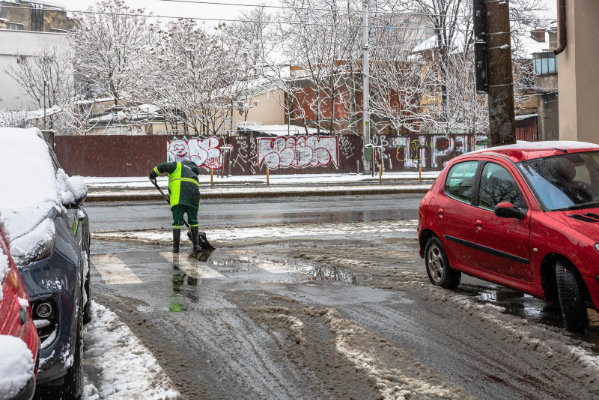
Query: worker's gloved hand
pixel 153 175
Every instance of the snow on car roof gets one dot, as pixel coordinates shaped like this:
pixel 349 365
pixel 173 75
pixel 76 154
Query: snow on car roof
pixel 546 145
pixel 28 188
pixel 529 150
pixel 3 262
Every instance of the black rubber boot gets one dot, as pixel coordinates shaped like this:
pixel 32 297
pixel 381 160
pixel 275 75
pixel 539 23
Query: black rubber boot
pixel 176 240
pixel 195 238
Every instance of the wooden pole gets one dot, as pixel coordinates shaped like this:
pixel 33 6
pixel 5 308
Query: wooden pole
pixel 267 175
pixel 381 166
pixel 211 176
pixel 499 64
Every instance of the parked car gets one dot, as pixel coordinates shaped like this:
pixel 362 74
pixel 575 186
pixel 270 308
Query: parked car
pixel 49 240
pixel 524 216
pixel 16 327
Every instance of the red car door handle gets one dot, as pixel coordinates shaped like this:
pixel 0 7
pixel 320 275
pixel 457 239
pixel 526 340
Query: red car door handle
pixel 440 212
pixel 478 224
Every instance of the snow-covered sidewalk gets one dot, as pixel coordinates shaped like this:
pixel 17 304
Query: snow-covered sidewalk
pixel 140 188
pixel 100 183
pixel 127 368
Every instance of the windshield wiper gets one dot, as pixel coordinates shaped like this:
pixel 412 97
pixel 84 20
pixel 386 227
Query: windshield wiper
pixel 580 206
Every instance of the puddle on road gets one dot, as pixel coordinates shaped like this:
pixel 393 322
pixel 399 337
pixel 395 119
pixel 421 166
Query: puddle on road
pixel 332 273
pixel 528 307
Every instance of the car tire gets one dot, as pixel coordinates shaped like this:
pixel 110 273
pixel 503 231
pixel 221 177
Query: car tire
pixel 72 386
pixel 73 380
pixel 87 312
pixel 571 298
pixel 437 267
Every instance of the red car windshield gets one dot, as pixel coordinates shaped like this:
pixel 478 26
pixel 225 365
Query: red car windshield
pixel 564 182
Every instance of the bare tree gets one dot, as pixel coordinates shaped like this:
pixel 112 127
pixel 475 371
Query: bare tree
pixel 194 76
pixel 324 51
pixel 46 76
pixel 107 43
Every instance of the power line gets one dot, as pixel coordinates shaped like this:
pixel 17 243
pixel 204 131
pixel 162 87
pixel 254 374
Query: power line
pixel 378 12
pixel 205 19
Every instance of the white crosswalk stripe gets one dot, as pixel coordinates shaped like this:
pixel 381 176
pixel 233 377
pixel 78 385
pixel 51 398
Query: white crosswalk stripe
pixel 192 266
pixel 113 270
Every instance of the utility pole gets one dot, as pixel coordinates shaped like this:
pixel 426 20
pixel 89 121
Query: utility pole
pixel 495 50
pixel 45 104
pixel 365 77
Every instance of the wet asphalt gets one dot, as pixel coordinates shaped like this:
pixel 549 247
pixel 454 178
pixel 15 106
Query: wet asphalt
pixel 330 315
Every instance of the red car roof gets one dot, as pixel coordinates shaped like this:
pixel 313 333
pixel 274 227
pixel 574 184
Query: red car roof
pixel 523 151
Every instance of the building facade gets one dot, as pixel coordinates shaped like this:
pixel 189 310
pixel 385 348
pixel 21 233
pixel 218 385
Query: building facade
pixel 26 29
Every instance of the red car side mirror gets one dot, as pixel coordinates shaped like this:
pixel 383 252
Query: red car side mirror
pixel 507 210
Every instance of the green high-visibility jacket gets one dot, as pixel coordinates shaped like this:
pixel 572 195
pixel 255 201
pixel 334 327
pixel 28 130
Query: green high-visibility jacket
pixel 183 184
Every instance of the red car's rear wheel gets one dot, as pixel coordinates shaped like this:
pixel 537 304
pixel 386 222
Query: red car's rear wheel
pixel 437 267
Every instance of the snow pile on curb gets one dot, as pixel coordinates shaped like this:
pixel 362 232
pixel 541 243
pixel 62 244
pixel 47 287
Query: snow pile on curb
pixel 128 369
pixel 16 366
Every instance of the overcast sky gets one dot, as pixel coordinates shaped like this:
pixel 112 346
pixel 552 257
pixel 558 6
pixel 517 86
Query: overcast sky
pixel 198 10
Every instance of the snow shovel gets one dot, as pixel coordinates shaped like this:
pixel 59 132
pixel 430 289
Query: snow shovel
pixel 204 244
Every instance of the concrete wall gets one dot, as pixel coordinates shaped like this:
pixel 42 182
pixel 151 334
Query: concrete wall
pixel 121 155
pixel 269 109
pixel 23 43
pixel 548 106
pixel 578 80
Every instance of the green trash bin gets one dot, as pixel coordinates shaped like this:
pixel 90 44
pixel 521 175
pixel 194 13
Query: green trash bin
pixel 368 153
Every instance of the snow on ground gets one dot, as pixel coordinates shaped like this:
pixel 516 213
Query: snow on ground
pixel 369 229
pixel 16 366
pixel 144 182
pixel 128 370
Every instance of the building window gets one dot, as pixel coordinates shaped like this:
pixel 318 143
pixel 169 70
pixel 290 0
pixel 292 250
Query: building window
pixel 545 63
pixel 14 26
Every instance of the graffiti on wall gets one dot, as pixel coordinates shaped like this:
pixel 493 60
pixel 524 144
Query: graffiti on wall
pixel 205 152
pixel 298 152
pixel 411 150
pixel 244 158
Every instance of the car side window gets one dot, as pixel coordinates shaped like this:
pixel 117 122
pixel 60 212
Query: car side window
pixel 496 186
pixel 55 163
pixel 460 181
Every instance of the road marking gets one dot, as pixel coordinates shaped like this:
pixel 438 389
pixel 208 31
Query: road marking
pixel 192 267
pixel 113 270
pixel 275 268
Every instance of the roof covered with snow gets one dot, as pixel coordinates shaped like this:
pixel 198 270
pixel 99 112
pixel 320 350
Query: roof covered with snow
pixel 279 130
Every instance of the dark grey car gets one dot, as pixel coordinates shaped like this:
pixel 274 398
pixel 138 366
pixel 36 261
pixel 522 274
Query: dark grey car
pixel 57 280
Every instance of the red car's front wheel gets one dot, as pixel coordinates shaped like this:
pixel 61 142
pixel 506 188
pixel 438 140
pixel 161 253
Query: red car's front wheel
pixel 571 298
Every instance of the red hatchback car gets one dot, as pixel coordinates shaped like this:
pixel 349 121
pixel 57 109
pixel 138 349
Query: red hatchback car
pixel 15 320
pixel 524 216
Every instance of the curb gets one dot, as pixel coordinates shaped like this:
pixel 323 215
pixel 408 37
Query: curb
pixel 262 193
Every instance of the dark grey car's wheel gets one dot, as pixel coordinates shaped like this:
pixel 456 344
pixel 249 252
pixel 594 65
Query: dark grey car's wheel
pixel 571 298
pixel 438 269
pixel 73 380
pixel 87 312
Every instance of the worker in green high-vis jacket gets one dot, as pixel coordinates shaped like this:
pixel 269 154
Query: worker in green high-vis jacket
pixel 184 191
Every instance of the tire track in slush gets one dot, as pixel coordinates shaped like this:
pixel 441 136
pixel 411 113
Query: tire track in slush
pixel 472 353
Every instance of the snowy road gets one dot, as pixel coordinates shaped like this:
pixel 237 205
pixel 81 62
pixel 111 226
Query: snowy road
pixel 340 309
